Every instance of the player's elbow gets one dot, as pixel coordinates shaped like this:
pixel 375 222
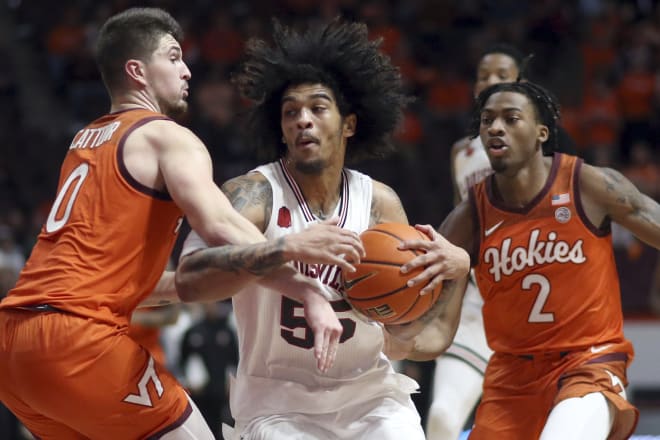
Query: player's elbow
pixel 434 340
pixel 429 351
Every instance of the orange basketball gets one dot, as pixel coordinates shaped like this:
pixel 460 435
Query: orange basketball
pixel 377 288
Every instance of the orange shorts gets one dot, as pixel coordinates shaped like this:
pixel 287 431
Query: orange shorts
pixel 68 377
pixel 520 391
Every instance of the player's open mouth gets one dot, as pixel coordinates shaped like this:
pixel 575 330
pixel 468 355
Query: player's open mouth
pixel 306 141
pixel 497 145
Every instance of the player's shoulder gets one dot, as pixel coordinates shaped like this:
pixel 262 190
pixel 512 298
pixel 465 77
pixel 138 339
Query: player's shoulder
pixel 251 194
pixel 600 182
pixel 460 145
pixel 165 133
pixel 252 183
pixel 386 205
pixel 382 191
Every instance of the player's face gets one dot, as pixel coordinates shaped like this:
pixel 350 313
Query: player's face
pixel 313 129
pixel 167 77
pixel 510 131
pixel 495 68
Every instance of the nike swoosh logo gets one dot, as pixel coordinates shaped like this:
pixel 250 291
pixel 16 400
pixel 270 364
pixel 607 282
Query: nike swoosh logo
pixel 492 229
pixel 349 284
pixel 600 348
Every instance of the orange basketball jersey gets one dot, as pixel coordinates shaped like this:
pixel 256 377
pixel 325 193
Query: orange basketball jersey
pixel 547 275
pixel 107 238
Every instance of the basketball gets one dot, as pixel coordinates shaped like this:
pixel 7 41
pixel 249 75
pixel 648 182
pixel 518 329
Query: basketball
pixel 378 289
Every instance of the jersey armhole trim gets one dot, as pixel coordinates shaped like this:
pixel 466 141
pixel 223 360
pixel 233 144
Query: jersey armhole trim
pixel 161 195
pixel 599 232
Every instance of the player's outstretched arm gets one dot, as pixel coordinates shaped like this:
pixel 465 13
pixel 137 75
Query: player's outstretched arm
pixel 607 194
pixel 435 330
pixel 187 172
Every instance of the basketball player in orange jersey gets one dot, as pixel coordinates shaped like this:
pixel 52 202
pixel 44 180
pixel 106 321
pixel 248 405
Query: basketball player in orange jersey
pixel 538 231
pixel 322 97
pixel 459 372
pixel 68 369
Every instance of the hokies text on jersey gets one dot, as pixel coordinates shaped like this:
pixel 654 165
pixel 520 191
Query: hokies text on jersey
pixel 506 261
pixel 94 137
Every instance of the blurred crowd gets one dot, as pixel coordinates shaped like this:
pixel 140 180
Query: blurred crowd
pixel 601 58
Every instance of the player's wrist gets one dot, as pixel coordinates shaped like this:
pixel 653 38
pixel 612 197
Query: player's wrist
pixel 289 248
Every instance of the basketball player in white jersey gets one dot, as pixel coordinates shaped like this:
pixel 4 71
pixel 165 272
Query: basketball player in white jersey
pixel 323 96
pixel 459 372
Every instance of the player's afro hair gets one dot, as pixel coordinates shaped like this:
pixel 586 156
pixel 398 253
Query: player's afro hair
pixel 338 55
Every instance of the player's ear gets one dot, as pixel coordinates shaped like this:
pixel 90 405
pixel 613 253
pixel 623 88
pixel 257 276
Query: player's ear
pixel 542 134
pixel 349 124
pixel 135 70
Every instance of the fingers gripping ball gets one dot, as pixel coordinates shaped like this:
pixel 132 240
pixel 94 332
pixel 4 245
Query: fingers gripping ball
pixel 377 288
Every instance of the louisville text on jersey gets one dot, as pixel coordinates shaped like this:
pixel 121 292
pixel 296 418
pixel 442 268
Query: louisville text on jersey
pixel 328 275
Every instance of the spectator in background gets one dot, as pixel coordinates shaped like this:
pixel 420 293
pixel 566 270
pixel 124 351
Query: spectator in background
pixel 217 105
pixel 636 92
pixel 600 121
pixel 221 43
pixel 643 168
pixel 210 346
pixel 64 41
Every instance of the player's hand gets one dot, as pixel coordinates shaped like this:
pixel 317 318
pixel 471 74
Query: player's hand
pixel 326 327
pixel 441 260
pixel 325 243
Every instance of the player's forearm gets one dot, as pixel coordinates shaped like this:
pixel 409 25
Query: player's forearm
pixel 217 273
pixel 288 281
pixel 434 340
pixel 156 316
pixel 233 229
pixel 435 330
pixel 164 293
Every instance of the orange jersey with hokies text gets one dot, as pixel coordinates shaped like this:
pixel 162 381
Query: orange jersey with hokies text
pixel 107 238
pixel 547 275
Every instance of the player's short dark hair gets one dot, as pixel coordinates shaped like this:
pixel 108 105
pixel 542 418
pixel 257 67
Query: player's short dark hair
pixel 133 33
pixel 521 60
pixel 545 105
pixel 338 55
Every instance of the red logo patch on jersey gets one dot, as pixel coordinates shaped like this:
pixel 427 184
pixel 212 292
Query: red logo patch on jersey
pixel 469 150
pixel 284 217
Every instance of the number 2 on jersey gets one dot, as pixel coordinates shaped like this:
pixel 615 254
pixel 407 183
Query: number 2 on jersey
pixel 78 176
pixel 290 321
pixel 537 314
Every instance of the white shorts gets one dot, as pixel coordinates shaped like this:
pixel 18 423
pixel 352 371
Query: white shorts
pixel 381 419
pixel 470 343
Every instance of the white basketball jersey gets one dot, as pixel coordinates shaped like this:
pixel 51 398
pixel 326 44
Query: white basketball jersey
pixel 471 165
pixel 277 372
